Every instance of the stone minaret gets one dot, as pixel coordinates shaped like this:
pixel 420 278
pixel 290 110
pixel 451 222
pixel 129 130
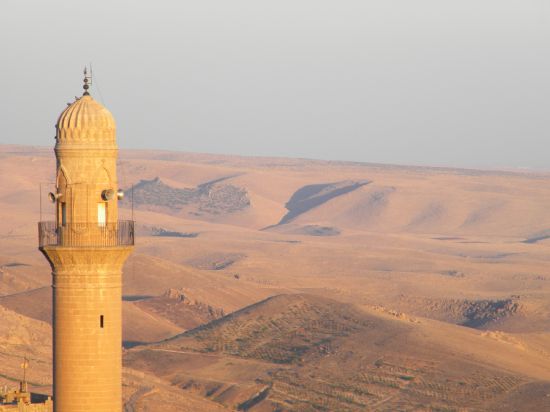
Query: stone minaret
pixel 86 247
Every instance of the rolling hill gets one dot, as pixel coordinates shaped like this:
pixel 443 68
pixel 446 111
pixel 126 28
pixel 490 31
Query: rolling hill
pixel 312 353
pixel 265 283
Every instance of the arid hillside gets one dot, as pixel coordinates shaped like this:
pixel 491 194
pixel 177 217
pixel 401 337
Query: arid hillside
pixel 270 284
pixel 309 353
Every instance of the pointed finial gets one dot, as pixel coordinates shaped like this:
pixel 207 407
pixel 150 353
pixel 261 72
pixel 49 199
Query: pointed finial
pixel 86 80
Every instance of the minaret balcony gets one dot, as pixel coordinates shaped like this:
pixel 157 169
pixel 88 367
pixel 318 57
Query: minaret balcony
pixel 84 235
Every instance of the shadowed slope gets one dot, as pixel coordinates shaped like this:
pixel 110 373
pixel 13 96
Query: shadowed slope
pixel 311 196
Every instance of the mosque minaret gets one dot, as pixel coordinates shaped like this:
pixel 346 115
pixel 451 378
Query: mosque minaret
pixel 86 247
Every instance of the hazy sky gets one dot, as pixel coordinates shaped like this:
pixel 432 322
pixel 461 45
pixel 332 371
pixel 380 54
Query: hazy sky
pixel 435 82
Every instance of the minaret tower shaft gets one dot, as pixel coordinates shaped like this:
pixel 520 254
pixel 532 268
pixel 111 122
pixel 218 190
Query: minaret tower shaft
pixel 86 247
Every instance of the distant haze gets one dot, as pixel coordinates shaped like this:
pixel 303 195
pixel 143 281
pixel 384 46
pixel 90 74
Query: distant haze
pixel 433 82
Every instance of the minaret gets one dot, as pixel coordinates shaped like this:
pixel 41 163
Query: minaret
pixel 86 247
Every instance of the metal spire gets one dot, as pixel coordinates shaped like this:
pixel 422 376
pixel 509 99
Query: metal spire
pixel 87 79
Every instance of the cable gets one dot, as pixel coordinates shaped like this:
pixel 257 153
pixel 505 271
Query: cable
pixel 96 84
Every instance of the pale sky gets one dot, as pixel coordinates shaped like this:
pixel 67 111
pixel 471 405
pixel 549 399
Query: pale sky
pixel 430 82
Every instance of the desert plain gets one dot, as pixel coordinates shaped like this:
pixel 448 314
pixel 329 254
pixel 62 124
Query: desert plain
pixel 274 284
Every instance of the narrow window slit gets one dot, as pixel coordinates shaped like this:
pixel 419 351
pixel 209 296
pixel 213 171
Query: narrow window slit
pixel 101 321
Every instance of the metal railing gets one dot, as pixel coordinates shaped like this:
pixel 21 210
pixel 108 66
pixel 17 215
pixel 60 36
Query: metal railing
pixel 72 234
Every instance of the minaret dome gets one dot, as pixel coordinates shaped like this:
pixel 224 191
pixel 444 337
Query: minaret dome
pixel 86 121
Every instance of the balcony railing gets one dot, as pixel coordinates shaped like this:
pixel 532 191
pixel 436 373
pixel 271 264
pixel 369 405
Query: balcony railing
pixel 119 233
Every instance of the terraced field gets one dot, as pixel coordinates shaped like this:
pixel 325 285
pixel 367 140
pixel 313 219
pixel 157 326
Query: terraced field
pixel 324 355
